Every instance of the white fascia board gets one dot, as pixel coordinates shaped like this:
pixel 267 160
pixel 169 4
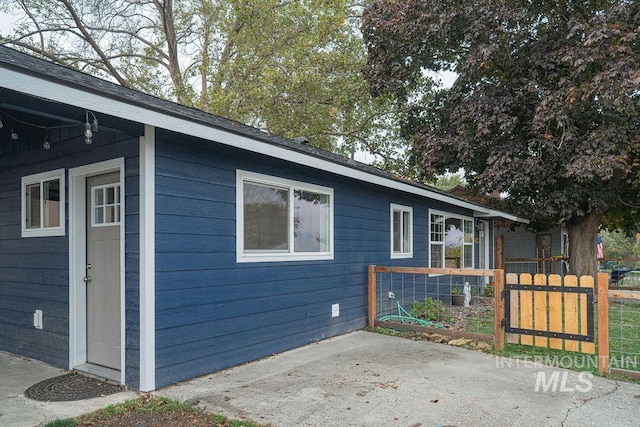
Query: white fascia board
pixel 499 214
pixel 63 93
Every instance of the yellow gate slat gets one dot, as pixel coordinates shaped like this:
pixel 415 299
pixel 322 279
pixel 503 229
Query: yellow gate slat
pixel 585 282
pixel 514 307
pixel 526 309
pixel 555 311
pixel 540 310
pixel 571 313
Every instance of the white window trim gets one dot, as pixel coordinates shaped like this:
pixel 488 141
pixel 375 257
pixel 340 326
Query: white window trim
pixel 93 205
pixel 39 179
pixel 446 216
pixel 241 256
pixel 399 255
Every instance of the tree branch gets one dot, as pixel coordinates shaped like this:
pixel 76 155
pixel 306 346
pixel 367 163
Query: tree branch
pixel 89 39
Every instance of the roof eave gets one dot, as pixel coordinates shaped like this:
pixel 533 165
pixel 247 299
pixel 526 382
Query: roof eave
pixel 502 215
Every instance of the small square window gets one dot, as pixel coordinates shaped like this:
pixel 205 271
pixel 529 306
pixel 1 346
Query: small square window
pixel 43 204
pixel 105 205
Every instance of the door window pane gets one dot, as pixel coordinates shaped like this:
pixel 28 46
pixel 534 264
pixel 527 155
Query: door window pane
pixel 106 205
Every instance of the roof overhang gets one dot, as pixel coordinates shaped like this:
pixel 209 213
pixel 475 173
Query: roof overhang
pixel 494 214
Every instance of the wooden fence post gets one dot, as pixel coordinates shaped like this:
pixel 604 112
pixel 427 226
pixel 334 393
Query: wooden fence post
pixel 372 295
pixel 499 253
pixel 603 323
pixel 498 309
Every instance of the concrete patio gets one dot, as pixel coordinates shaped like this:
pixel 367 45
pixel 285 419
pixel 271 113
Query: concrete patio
pixel 366 379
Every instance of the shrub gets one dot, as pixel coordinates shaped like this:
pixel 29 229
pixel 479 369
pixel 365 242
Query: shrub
pixel 429 309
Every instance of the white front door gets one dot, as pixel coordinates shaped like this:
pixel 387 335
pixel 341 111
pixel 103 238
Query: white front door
pixel 103 199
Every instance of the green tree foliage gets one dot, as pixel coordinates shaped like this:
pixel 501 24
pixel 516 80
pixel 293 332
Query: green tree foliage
pixel 293 65
pixel 546 107
pixel 617 244
pixel 448 181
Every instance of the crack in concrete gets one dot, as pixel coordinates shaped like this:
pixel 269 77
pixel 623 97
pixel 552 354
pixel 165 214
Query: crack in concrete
pixel 585 401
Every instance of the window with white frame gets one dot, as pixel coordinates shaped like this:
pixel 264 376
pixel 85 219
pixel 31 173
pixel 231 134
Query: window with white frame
pixel 105 205
pixel 43 204
pixel 401 231
pixel 280 219
pixel 450 241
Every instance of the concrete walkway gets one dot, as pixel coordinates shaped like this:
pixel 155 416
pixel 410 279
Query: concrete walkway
pixel 18 374
pixel 366 379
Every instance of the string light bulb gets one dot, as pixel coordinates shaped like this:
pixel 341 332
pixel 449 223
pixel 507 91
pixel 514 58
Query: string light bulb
pixel 1 124
pixel 46 144
pixel 14 135
pixel 89 128
pixel 87 133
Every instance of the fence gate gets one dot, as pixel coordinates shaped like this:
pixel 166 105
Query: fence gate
pixel 547 311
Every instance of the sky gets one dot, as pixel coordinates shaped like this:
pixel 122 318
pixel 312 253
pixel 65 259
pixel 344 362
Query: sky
pixel 5 23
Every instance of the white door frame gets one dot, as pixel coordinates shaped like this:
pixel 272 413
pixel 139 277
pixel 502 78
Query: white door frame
pixel 78 262
pixel 484 250
pixel 487 237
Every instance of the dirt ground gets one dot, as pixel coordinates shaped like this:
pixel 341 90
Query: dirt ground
pixel 461 316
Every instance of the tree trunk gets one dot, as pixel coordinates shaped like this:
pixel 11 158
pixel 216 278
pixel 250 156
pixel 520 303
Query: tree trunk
pixel 583 244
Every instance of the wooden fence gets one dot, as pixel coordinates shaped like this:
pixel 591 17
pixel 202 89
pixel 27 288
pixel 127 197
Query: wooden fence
pixel 558 313
pixel 544 311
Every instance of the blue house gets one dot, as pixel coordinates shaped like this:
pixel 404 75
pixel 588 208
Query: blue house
pixel 150 243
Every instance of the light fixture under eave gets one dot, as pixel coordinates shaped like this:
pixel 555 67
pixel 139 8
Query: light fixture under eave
pixel 89 128
pixel 87 133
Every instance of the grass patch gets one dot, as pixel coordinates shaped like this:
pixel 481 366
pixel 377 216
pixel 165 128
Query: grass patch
pixel 483 323
pixel 152 411
pixel 624 333
pixel 62 423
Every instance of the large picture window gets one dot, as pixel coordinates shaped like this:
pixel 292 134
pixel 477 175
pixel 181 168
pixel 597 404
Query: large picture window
pixel 282 220
pixel 450 241
pixel 401 231
pixel 43 204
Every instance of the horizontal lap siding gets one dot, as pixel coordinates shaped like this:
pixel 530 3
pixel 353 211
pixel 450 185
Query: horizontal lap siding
pixel 212 312
pixel 34 272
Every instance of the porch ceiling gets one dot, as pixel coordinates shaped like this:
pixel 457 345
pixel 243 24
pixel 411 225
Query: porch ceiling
pixel 44 112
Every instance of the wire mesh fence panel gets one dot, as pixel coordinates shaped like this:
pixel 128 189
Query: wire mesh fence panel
pixel 624 273
pixel 624 333
pixel 450 304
